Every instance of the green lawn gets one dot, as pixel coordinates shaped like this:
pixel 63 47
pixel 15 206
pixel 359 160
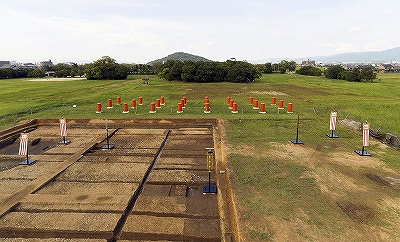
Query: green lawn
pixel 376 102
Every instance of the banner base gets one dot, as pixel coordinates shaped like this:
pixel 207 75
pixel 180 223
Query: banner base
pixel 332 135
pixel 27 162
pixel 362 153
pixel 297 142
pixel 209 189
pixel 108 147
pixel 64 142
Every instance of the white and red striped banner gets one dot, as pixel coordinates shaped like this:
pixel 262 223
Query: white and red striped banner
pixel 366 134
pixel 63 127
pixel 332 123
pixel 23 144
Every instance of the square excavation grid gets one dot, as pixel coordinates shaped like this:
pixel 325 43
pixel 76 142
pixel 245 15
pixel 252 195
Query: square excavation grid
pixel 148 187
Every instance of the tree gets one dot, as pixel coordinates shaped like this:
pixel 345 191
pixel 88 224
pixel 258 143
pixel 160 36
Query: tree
pixel 309 71
pixel 291 65
pixel 209 71
pixel 367 74
pixel 265 68
pixel 189 71
pixel 268 68
pixel 275 67
pixel 106 68
pixel 165 74
pixel 157 67
pixel 206 72
pixel 283 66
pixel 176 70
pixel 354 75
pixel 62 70
pixel 37 72
pixel 6 73
pixel 334 72
pixel 241 72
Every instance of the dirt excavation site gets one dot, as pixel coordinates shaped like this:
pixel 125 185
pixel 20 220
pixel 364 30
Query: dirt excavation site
pixel 148 187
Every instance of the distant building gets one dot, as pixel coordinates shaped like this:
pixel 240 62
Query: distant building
pixel 28 65
pixel 5 64
pixel 50 73
pixel 308 63
pixel 45 63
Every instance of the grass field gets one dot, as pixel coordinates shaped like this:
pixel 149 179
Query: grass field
pixel 319 191
pixel 376 102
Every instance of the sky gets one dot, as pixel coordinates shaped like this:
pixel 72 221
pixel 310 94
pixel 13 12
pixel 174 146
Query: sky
pixel 139 31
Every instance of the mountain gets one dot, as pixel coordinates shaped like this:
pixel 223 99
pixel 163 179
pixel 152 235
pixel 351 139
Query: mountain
pixel 182 56
pixel 369 56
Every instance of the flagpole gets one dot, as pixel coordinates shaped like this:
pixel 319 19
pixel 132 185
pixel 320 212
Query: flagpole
pixel 297 141
pixel 108 146
pixel 108 143
pixel 27 151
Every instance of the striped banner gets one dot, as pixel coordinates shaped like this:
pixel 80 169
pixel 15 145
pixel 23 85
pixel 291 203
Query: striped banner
pixel 23 144
pixel 332 123
pixel 366 134
pixel 63 127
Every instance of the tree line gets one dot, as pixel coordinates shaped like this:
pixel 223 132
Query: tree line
pixel 207 71
pixel 188 70
pixel 104 68
pixel 353 75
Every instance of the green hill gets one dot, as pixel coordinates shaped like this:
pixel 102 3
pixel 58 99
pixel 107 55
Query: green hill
pixel 182 56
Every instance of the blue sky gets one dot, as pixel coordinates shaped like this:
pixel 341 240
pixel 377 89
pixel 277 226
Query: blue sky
pixel 140 31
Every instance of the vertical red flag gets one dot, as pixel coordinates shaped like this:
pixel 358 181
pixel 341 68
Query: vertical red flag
pixel 23 144
pixel 332 123
pixel 366 134
pixel 63 127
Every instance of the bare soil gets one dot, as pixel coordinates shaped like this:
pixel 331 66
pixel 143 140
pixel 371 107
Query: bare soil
pixel 79 191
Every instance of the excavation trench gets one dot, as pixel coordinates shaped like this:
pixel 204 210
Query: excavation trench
pixel 131 203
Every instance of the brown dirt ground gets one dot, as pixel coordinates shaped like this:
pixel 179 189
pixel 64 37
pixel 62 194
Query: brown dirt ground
pixel 91 193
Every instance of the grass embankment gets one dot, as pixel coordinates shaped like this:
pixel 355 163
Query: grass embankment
pixel 320 191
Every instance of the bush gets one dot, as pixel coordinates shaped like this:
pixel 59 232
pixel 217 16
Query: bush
pixel 335 72
pixel 309 71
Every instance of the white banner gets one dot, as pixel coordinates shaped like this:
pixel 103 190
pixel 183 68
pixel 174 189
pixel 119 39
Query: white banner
pixel 332 123
pixel 63 127
pixel 366 134
pixel 23 144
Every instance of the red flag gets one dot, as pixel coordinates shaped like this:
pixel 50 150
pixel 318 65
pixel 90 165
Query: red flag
pixel 332 123
pixel 366 134
pixel 63 127
pixel 23 144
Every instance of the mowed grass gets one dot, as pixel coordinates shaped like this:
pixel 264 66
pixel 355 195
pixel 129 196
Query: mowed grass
pixel 284 192
pixel 377 102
